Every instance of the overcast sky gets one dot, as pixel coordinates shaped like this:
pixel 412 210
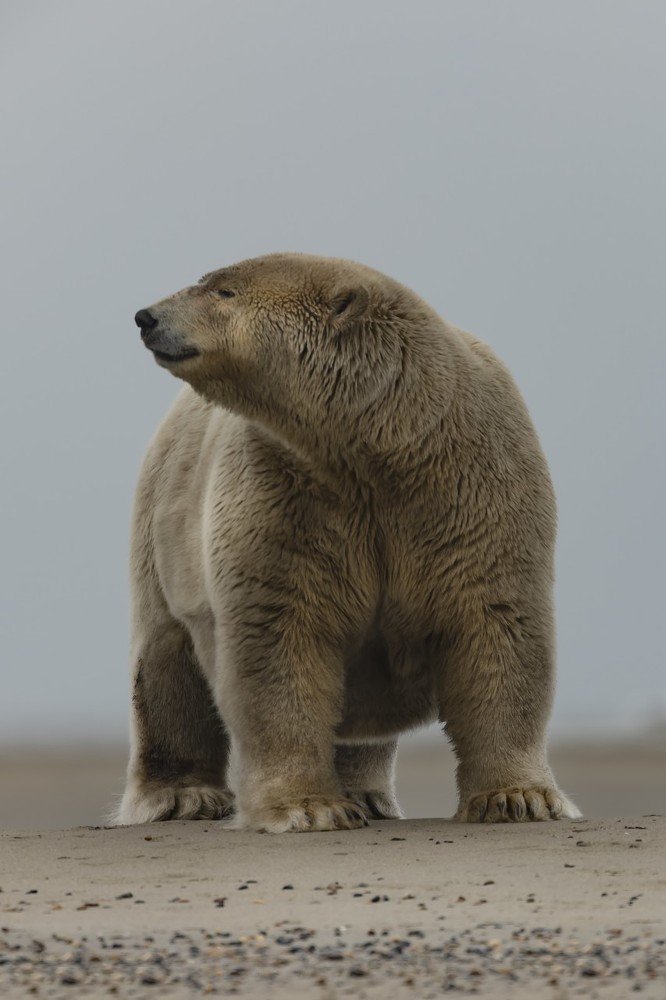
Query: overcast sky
pixel 506 160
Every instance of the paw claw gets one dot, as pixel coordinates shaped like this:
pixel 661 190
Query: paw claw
pixel 477 809
pixel 497 811
pixel 354 814
pixel 554 803
pixel 536 806
pixel 517 807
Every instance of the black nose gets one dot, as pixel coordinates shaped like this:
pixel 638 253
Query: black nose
pixel 145 321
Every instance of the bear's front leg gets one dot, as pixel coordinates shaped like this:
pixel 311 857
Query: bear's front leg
pixel 495 695
pixel 280 692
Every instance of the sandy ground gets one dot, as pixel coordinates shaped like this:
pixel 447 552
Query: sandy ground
pixel 416 908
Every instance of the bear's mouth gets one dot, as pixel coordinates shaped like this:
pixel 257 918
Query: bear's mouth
pixel 162 356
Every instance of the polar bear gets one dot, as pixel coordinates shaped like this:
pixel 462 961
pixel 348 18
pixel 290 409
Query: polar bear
pixel 343 529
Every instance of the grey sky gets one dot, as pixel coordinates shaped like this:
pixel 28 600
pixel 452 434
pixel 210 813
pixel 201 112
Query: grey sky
pixel 508 161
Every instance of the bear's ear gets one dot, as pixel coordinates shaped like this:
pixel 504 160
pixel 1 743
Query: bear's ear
pixel 347 305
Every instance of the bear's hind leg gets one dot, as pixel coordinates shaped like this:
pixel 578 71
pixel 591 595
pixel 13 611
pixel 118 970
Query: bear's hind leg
pixel 367 774
pixel 179 753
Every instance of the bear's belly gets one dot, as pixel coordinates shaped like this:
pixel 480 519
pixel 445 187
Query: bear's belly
pixel 385 717
pixel 385 695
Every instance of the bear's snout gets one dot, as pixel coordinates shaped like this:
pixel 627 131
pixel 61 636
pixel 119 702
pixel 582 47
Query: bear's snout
pixel 166 345
pixel 146 322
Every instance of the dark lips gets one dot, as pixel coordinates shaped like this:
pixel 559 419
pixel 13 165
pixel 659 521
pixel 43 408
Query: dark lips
pixel 183 356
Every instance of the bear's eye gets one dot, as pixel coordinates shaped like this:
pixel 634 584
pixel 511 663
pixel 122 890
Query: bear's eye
pixel 225 293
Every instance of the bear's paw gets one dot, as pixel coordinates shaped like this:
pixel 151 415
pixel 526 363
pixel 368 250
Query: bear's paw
pixel 517 805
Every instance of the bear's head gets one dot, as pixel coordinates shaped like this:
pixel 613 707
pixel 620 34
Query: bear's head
pixel 308 345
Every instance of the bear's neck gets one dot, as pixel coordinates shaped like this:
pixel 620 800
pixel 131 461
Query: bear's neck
pixel 407 430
